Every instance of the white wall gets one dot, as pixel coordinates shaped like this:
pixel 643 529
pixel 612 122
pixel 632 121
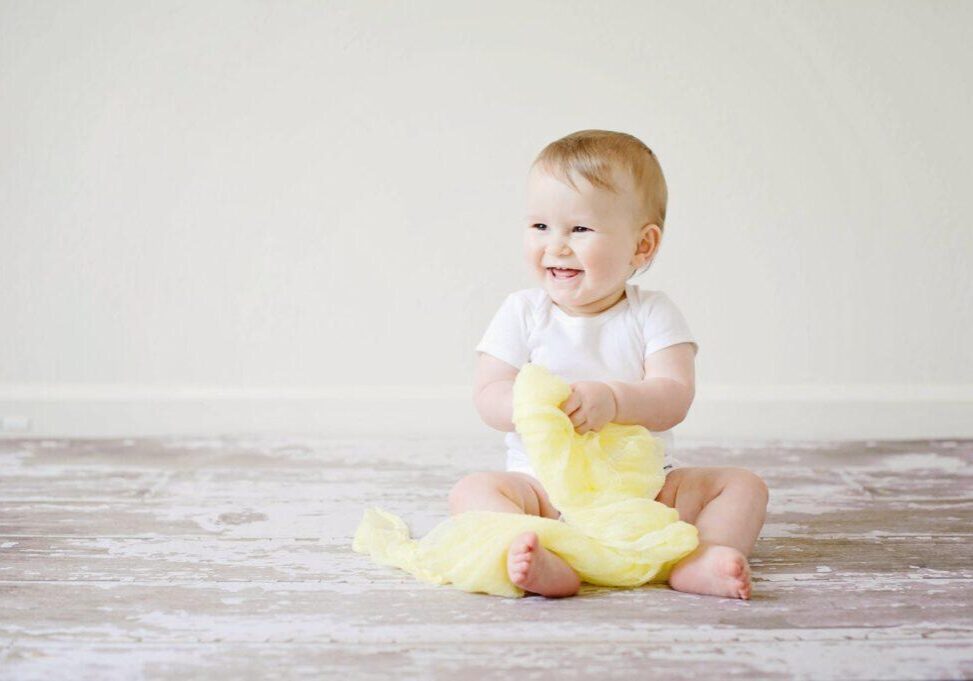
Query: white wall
pixel 232 216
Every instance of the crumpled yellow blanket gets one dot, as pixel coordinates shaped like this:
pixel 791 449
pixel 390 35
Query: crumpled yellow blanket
pixel 612 531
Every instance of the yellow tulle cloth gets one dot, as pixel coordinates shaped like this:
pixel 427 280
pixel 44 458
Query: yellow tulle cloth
pixel 612 531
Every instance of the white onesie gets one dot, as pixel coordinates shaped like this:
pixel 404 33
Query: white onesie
pixel 609 346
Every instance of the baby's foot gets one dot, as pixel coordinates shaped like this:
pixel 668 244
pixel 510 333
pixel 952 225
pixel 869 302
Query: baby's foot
pixel 714 570
pixel 533 568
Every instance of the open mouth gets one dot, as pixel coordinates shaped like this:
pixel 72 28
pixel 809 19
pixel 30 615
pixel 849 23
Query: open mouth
pixel 564 273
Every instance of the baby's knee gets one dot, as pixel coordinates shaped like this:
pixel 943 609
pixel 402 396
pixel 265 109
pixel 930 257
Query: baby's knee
pixel 754 483
pixel 472 485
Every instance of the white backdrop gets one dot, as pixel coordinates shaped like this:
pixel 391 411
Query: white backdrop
pixel 253 216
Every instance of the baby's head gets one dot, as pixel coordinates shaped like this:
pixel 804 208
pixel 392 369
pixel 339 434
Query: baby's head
pixel 596 202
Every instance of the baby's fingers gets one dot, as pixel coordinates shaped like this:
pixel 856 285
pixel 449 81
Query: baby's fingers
pixel 579 417
pixel 571 404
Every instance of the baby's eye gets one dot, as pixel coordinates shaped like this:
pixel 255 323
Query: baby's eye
pixel 541 227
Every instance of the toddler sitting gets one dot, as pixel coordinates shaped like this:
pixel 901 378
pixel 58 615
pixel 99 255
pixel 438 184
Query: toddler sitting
pixel 596 203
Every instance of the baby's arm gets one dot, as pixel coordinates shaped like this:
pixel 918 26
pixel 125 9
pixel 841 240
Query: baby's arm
pixel 660 400
pixel 493 391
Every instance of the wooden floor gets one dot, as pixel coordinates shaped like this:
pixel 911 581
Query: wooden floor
pixel 230 558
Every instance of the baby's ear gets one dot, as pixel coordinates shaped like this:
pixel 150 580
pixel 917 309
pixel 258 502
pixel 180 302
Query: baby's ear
pixel 650 238
pixel 651 232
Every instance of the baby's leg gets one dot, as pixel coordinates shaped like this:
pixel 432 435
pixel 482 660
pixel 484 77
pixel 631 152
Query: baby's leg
pixel 529 565
pixel 728 506
pixel 507 492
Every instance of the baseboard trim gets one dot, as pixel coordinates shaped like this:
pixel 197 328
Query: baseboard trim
pixel 720 411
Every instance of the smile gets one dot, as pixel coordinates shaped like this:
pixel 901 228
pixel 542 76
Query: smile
pixel 564 274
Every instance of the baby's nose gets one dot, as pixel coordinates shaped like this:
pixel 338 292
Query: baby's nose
pixel 559 246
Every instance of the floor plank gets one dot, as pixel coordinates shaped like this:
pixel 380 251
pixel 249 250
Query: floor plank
pixel 169 557
pixel 847 659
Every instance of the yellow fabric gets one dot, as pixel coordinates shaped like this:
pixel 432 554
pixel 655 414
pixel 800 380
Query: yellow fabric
pixel 612 531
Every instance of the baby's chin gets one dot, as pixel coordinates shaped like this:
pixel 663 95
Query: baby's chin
pixel 572 298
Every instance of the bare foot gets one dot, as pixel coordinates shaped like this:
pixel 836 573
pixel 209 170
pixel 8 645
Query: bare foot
pixel 714 570
pixel 533 568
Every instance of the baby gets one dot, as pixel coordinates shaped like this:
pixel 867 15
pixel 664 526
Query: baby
pixel 596 206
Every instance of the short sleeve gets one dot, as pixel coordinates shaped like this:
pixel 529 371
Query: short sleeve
pixel 506 336
pixel 663 324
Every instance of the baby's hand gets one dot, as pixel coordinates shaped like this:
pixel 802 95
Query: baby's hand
pixel 590 406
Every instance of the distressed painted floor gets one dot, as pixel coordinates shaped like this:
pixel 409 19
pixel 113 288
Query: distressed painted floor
pixel 230 557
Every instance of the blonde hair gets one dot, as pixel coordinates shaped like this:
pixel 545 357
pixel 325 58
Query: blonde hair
pixel 596 154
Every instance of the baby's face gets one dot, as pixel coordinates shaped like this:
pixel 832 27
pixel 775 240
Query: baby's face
pixel 593 231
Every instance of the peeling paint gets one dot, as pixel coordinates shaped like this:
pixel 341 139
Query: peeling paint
pixel 926 460
pixel 194 556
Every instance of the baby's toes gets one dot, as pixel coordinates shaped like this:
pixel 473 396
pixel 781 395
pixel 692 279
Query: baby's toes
pixel 520 555
pixel 745 581
pixel 734 566
pixel 523 543
pixel 518 570
pixel 745 588
pixel 737 569
pixel 520 562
